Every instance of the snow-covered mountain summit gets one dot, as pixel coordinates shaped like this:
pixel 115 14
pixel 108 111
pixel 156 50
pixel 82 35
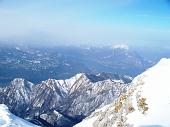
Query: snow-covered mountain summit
pixel 145 104
pixel 7 119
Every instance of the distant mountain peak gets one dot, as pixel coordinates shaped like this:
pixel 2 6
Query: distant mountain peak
pixel 79 75
pixel 121 46
pixel 21 84
pixel 18 80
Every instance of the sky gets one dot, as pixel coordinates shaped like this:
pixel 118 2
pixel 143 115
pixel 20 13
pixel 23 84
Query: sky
pixel 94 22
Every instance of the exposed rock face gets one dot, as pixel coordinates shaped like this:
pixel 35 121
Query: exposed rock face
pixel 56 119
pixel 145 104
pixel 17 95
pixel 60 102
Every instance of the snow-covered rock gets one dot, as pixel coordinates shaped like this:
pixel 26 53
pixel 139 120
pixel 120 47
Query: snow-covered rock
pixel 17 95
pixel 7 119
pixel 145 104
pixel 74 98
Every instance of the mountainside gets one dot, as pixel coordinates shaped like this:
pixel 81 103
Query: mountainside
pixel 145 104
pixel 7 119
pixel 61 103
pixel 18 94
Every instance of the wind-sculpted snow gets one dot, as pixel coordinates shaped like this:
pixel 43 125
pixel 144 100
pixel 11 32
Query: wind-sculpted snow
pixel 7 119
pixel 60 102
pixel 145 104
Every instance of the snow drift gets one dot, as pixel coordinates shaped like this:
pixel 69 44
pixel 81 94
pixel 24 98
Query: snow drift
pixel 7 119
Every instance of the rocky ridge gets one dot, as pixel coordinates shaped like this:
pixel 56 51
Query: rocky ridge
pixel 60 102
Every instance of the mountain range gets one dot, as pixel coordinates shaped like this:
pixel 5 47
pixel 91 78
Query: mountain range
pixel 62 103
pixel 37 64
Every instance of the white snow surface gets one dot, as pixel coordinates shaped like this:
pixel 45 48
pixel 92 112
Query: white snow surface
pixel 7 119
pixel 155 87
pixel 156 90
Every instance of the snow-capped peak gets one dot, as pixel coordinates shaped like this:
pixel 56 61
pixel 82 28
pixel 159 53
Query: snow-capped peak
pixel 7 119
pixel 79 75
pixel 121 46
pixel 145 104
pixel 20 82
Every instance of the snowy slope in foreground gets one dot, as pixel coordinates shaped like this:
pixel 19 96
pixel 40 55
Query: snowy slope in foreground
pixel 146 104
pixel 7 119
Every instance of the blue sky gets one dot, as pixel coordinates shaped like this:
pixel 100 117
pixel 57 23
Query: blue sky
pixel 99 22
